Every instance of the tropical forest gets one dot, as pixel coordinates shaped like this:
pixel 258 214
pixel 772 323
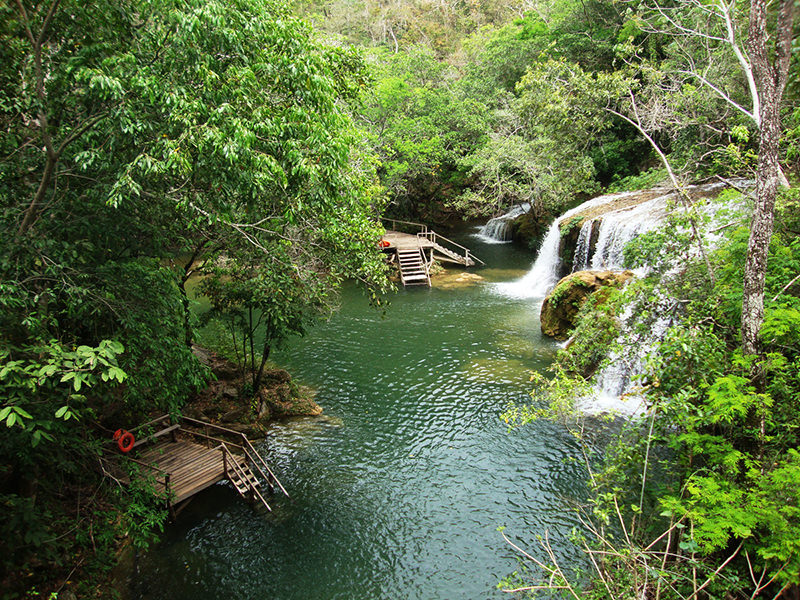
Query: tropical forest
pixel 402 299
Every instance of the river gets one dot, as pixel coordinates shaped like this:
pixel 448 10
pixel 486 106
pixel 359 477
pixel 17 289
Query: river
pixel 398 491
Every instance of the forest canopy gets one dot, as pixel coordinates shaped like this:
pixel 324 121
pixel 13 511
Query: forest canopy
pixel 258 144
pixel 140 140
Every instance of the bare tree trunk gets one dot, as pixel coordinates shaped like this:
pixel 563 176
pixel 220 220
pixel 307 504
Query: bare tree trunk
pixel 770 79
pixel 761 227
pixel 260 373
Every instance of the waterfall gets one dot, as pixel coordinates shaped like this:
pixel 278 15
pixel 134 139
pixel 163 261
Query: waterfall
pixel 600 245
pixel 619 227
pixel 544 272
pixel 498 230
pixel 581 260
pixel 615 384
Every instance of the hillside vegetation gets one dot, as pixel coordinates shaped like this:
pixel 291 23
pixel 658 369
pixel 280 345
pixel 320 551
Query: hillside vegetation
pixel 257 144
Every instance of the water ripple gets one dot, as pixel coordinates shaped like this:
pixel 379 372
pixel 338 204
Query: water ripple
pixel 399 490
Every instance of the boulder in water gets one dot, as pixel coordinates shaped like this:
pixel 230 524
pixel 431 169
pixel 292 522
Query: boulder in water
pixel 529 229
pixel 560 308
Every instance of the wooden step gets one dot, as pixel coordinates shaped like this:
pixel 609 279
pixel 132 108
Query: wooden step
pixel 243 479
pixel 413 266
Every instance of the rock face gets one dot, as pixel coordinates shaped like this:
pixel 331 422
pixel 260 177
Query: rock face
pixel 560 308
pixel 528 230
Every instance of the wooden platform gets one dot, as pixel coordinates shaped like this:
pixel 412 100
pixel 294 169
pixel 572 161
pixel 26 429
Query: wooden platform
pixel 429 245
pixel 405 241
pixel 187 457
pixel 191 467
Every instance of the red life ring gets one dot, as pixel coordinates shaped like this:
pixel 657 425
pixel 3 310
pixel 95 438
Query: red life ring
pixel 384 243
pixel 126 441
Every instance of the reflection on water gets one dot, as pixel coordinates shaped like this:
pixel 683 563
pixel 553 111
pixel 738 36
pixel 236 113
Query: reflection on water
pixel 398 490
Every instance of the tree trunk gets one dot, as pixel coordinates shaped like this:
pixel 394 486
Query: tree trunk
pixel 761 226
pixel 188 270
pixel 260 373
pixel 770 79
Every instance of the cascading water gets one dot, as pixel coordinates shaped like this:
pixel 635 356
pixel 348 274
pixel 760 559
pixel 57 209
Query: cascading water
pixel 544 273
pixel 583 247
pixel 600 244
pixel 498 230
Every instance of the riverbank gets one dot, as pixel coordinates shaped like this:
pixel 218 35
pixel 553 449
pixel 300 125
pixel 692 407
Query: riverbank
pixel 398 493
pixel 227 399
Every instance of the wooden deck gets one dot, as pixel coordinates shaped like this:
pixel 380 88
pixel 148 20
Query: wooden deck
pixel 405 241
pixel 190 466
pixel 187 457
pixel 429 245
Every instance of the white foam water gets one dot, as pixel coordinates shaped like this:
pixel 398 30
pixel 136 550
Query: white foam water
pixel 498 230
pixel 616 386
pixel 544 272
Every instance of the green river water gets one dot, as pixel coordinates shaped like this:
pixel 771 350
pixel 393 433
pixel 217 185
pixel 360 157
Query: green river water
pixel 398 490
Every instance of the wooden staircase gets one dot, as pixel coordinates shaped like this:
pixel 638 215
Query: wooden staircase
pixel 242 478
pixel 447 255
pixel 413 267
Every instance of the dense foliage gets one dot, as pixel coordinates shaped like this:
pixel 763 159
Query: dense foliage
pixel 208 133
pixel 145 144
pixel 704 480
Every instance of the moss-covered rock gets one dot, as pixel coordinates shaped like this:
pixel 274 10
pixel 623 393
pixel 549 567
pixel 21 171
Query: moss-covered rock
pixel 285 400
pixel 529 230
pixel 560 308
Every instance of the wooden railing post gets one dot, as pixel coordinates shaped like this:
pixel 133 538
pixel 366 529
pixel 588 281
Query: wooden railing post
pixel 170 507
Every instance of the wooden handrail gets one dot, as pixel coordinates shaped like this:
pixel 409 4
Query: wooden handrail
pixel 156 420
pixel 422 226
pixel 258 459
pixel 144 464
pixel 212 425
pixel 432 235
pixel 165 483
pixel 209 437
pixel 138 427
pixel 243 476
pixel 158 433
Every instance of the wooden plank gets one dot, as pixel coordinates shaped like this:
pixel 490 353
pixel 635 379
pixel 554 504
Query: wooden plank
pixel 171 450
pixel 194 490
pixel 169 461
pixel 210 467
pixel 199 478
pixel 199 459
pixel 205 464
pixel 177 450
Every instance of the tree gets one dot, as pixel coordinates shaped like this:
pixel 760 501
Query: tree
pixel 770 66
pixel 135 132
pixel 420 127
pixel 762 49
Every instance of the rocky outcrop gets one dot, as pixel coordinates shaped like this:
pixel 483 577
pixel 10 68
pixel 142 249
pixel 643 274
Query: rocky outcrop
pixel 529 230
pixel 560 308
pixel 226 401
